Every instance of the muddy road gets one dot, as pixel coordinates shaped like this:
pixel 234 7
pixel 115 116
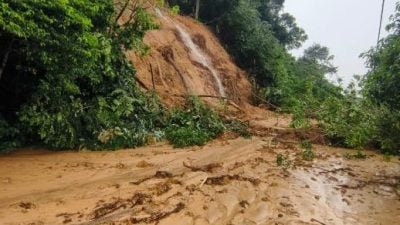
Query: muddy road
pixel 233 182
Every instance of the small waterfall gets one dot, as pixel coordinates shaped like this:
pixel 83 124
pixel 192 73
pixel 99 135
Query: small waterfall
pixel 196 53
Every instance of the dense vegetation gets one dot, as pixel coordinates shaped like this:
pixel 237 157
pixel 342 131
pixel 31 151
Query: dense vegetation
pixel 260 36
pixel 371 116
pixel 65 82
pixel 195 124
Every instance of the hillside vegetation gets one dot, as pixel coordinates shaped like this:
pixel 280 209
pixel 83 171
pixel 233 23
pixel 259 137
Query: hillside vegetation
pixel 260 36
pixel 65 81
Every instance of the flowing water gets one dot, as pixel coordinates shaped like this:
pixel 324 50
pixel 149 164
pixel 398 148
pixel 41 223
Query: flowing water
pixel 196 53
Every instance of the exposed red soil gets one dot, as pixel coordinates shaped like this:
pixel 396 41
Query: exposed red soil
pixel 172 71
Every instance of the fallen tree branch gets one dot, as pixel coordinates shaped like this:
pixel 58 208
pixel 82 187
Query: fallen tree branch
pixel 317 221
pixel 265 101
pixel 200 96
pixel 203 182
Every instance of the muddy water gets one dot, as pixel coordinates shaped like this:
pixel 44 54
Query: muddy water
pixel 196 53
pixel 225 182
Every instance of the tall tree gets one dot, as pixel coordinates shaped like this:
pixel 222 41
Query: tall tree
pixel 197 9
pixel 382 84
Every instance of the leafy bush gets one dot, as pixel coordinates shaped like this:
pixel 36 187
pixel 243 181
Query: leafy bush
pixel 194 124
pixel 175 10
pixel 187 136
pixel 69 56
pixel 8 136
pixel 348 122
pixel 307 153
pixel 239 127
pixel 283 161
pixel 382 86
pixel 388 131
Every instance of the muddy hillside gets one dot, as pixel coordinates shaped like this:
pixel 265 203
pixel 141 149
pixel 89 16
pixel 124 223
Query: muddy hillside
pixel 186 58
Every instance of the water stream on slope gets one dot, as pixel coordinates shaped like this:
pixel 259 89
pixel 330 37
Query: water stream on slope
pixel 196 53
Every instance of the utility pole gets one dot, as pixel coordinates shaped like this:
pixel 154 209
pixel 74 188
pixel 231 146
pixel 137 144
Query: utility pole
pixel 380 23
pixel 197 9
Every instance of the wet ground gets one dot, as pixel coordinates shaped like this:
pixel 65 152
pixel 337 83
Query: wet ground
pixel 236 182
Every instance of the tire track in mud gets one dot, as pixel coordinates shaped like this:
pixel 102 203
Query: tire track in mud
pixel 238 183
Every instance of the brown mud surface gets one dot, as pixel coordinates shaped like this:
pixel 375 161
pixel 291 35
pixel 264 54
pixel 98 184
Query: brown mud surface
pixel 227 182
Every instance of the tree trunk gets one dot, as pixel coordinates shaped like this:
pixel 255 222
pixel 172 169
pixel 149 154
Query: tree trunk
pixel 122 10
pixel 197 9
pixel 5 58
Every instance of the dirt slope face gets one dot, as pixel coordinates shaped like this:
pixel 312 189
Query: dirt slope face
pixel 176 67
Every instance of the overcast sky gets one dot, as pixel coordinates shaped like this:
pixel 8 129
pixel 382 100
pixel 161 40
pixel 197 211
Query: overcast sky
pixel 347 27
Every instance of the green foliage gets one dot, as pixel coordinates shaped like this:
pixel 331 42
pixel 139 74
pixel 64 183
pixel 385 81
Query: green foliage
pixel 347 122
pixel 182 137
pixel 300 118
pixel 382 86
pixel 257 34
pixel 282 24
pixel 283 161
pixel 81 86
pixel 8 136
pixel 307 153
pixel 175 10
pixel 360 154
pixel 195 124
pixel 260 53
pixel 388 130
pixel 185 6
pixel 160 3
pixel 239 127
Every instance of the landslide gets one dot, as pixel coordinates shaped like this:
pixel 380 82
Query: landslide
pixel 169 69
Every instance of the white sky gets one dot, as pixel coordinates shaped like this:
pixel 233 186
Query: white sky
pixel 347 27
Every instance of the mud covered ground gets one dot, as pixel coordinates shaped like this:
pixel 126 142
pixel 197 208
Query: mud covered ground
pixel 235 182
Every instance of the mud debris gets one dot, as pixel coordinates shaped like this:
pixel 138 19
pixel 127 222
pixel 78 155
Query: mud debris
pixel 27 205
pixel 163 175
pixel 144 164
pixel 157 175
pixel 162 188
pixel 317 221
pixel 248 188
pixel 206 168
pixel 155 217
pixel 226 179
pixel 117 204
